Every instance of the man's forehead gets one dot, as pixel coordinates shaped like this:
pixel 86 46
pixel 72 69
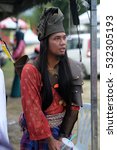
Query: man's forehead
pixel 58 34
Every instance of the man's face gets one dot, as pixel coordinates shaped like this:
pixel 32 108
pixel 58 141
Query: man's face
pixel 57 44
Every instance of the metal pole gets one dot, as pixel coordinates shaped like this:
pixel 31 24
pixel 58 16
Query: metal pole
pixel 94 118
pixel 69 17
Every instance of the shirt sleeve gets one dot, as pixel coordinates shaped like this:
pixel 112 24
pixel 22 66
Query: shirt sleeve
pixel 37 123
pixel 75 107
pixel 19 50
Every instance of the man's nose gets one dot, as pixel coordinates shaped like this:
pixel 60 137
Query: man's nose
pixel 63 41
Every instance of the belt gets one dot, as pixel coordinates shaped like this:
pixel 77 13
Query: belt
pixel 55 119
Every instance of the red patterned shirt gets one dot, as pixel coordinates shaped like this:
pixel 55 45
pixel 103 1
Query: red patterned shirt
pixel 37 123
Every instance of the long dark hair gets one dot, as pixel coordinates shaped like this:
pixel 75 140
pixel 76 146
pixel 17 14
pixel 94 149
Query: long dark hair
pixel 19 35
pixel 64 77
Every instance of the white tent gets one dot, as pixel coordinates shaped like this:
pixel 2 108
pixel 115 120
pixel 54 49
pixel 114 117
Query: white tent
pixel 30 37
pixel 84 19
pixel 11 23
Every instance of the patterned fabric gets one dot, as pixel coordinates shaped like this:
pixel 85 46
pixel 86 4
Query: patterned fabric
pixel 55 120
pixel 37 123
pixel 50 22
pixel 37 128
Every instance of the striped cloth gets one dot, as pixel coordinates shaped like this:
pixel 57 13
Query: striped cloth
pixel 56 119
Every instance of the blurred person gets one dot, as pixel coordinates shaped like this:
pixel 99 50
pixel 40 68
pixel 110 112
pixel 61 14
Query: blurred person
pixel 18 52
pixel 4 140
pixel 35 53
pixel 51 88
pixel 2 58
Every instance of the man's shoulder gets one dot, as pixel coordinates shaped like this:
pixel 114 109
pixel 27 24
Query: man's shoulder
pixel 75 67
pixel 30 67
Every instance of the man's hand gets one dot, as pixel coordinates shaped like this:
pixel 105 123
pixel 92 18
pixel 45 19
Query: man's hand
pixel 54 144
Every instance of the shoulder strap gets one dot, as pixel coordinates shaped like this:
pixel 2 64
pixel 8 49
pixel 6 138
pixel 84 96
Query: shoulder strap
pixel 76 71
pixel 19 64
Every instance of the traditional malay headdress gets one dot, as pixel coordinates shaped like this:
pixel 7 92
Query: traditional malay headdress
pixel 50 22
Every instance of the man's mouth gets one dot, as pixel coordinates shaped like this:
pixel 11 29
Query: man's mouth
pixel 62 50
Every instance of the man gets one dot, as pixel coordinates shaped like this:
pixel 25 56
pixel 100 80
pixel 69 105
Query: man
pixel 51 88
pixel 18 52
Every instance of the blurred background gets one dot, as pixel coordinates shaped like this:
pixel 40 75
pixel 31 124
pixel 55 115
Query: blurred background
pixel 25 15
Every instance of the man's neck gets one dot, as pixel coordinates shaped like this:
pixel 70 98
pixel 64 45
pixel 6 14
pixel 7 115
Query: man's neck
pixel 52 61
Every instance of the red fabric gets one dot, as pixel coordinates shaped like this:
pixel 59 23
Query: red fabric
pixel 19 51
pixel 37 123
pixel 75 107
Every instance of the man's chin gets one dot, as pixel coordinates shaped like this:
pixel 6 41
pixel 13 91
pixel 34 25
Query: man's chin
pixel 61 56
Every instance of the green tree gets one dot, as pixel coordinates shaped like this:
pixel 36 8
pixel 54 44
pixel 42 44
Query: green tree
pixel 65 8
pixel 34 16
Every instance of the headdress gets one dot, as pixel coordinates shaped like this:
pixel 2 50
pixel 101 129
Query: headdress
pixel 51 22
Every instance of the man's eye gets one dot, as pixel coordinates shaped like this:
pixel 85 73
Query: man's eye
pixel 64 37
pixel 57 38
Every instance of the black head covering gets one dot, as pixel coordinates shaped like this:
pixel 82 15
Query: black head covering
pixel 50 22
pixel 19 35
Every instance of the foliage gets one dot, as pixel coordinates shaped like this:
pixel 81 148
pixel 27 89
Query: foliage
pixel 64 7
pixel 33 18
